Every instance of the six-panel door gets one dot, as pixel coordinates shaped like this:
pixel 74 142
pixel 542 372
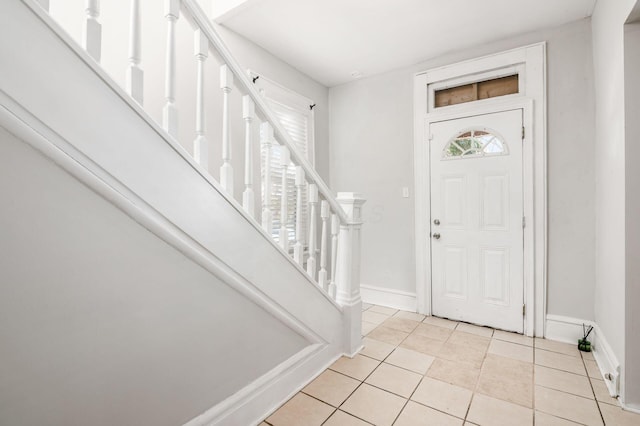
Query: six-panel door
pixel 477 219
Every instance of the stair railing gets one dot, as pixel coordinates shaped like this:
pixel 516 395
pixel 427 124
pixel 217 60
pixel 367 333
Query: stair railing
pixel 332 257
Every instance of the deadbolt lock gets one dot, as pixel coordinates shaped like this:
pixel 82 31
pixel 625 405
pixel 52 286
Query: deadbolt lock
pixel 436 221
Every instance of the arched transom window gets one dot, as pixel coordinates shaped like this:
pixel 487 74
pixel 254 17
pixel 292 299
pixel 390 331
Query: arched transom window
pixel 474 143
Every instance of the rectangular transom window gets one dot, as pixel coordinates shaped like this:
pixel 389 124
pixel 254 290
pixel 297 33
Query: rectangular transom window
pixel 476 91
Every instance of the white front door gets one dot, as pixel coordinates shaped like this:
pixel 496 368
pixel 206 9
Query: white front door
pixel 477 219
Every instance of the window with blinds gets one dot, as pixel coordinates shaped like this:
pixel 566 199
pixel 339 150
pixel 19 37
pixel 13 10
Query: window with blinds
pixel 297 118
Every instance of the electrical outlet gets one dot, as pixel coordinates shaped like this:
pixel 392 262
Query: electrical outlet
pixel 405 192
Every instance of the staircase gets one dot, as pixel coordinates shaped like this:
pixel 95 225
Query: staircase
pixel 140 283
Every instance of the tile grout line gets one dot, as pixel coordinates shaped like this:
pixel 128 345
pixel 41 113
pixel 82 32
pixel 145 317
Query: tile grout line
pixel 361 383
pixel 406 402
pixel 486 352
pixel 414 390
pixel 473 394
pixel 475 389
pixel 565 392
pixel 324 402
pixel 395 347
pixel 432 408
pixel 335 408
pixel 560 369
pixel 593 390
pixel 568 393
pixel 423 375
pixel 342 403
pixel 358 387
pixel 534 347
pixel 420 382
pixel 317 399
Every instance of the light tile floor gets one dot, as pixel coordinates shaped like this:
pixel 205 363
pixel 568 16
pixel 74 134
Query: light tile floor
pixel 417 370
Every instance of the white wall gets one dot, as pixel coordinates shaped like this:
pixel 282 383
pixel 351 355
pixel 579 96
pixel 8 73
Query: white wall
pixel 608 58
pixel 372 146
pixel 632 208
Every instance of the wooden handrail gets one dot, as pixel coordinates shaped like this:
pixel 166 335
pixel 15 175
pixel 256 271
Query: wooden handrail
pixel 243 81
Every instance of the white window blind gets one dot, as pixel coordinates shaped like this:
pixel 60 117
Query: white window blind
pixel 296 117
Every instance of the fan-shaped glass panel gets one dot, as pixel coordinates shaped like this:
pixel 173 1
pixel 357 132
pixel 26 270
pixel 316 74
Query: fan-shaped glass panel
pixel 474 143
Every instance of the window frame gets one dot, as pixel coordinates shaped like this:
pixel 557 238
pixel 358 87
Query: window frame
pixel 480 154
pixel 274 92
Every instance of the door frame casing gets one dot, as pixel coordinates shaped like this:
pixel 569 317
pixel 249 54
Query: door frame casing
pixel 530 63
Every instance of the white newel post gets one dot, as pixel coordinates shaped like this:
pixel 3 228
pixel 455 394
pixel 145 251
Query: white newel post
pixel 92 29
pixel 170 112
pixel 298 248
pixel 313 202
pixel 226 170
pixel 248 197
pixel 135 75
pixel 335 229
pixel 266 140
pixel 284 207
pixel 200 144
pixel 322 275
pixel 348 270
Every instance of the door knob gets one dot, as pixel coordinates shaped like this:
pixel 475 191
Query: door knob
pixel 436 236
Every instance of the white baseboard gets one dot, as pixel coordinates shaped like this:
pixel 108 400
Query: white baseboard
pixel 262 397
pixel 388 297
pixel 633 409
pixel 569 330
pixel 607 361
pixel 565 329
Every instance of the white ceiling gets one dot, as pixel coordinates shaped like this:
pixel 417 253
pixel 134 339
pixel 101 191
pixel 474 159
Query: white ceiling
pixel 330 39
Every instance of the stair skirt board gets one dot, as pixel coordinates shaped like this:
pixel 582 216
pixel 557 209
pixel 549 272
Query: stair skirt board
pixel 264 396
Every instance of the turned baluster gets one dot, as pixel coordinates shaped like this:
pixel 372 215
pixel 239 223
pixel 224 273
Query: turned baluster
pixel 266 140
pixel 248 197
pixel 170 111
pixel 322 275
pixel 313 201
pixel 135 75
pixel 92 30
pixel 298 248
pixel 200 144
pixel 284 205
pixel 226 170
pixel 335 228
